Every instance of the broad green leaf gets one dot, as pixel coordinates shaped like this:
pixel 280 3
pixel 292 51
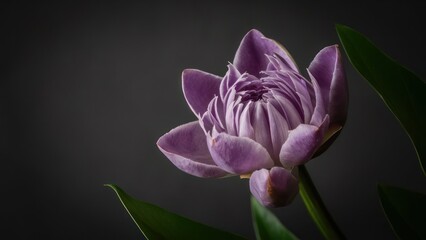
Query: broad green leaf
pixel 266 225
pixel 405 210
pixel 402 91
pixel 156 223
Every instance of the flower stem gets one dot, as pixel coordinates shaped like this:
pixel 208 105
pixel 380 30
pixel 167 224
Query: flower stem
pixel 316 207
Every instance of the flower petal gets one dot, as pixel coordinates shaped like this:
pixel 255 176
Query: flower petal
pixel 329 136
pixel 301 144
pixel 245 128
pixel 186 147
pixel 238 155
pixel 327 68
pixel 278 129
pixel 260 123
pixel 274 188
pixel 320 108
pixel 231 76
pixel 199 89
pixel 251 54
pixel 303 96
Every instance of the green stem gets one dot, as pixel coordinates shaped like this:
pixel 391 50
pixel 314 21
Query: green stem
pixel 316 207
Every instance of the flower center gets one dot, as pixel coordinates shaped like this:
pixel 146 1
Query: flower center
pixel 253 92
pixel 253 95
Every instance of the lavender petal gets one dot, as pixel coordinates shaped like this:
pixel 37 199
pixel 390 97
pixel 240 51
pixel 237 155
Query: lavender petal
pixel 251 54
pixel 238 155
pixel 199 89
pixel 327 68
pixel 274 188
pixel 186 147
pixel 301 144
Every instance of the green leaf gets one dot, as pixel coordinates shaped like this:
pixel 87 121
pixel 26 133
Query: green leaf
pixel 402 91
pixel 266 225
pixel 405 210
pixel 156 223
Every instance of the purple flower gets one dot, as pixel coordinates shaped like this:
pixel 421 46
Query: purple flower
pixel 262 119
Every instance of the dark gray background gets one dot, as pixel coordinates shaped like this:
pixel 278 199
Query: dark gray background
pixel 88 87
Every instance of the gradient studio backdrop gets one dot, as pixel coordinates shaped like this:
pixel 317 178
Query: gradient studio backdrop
pixel 87 89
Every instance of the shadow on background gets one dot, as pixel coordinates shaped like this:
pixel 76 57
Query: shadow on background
pixel 87 89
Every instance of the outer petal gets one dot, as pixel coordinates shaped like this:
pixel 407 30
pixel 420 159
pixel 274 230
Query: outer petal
pixel 327 68
pixel 320 108
pixel 274 188
pixel 238 155
pixel 301 144
pixel 186 147
pixel 250 56
pixel 199 89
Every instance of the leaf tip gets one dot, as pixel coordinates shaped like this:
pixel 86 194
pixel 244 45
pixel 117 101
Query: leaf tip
pixel 338 25
pixel 114 187
pixel 110 185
